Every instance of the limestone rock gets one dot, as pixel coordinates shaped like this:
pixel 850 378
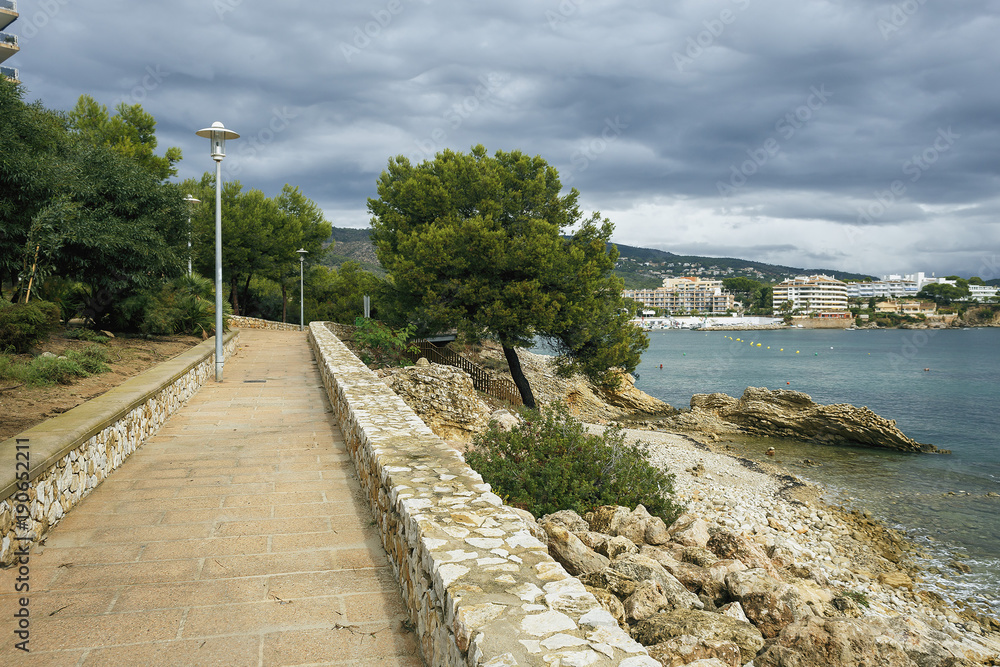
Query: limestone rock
pixel 704 625
pixel 568 519
pixel 833 642
pixel 641 568
pixel 647 600
pixel 505 419
pixel 729 545
pixel 763 600
pixel 690 650
pixel 607 519
pixel 610 601
pixel 690 531
pixel 621 585
pixel 615 546
pixel 573 554
pixel 444 398
pixel 793 414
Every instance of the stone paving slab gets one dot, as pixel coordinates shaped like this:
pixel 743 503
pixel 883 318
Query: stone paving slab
pixel 237 535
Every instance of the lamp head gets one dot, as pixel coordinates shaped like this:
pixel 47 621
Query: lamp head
pixel 217 134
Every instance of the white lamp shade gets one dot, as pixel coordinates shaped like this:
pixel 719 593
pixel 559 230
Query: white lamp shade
pixel 218 135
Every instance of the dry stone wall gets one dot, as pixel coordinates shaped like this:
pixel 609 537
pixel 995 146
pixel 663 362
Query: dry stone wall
pixel 240 322
pixel 51 467
pixel 481 590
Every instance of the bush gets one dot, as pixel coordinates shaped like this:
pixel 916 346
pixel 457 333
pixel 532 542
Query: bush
pixel 24 324
pixel 82 333
pixel 380 345
pixel 93 359
pixel 183 305
pixel 52 370
pixel 549 462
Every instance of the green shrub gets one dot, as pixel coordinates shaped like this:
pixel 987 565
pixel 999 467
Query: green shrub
pixel 82 333
pixel 93 359
pixel 380 345
pixel 24 324
pixel 53 370
pixel 549 462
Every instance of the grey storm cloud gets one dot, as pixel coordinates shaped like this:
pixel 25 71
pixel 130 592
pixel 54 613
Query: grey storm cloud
pixel 861 134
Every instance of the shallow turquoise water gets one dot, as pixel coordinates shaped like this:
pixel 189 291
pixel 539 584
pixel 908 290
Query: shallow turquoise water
pixel 953 405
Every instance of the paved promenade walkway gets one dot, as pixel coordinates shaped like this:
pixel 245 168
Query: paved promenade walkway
pixel 236 536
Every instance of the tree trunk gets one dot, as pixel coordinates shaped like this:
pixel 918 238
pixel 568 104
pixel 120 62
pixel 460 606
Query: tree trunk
pixel 514 364
pixel 284 302
pixel 235 295
pixel 246 292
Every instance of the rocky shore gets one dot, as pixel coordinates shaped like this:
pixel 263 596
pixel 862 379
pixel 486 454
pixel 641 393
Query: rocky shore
pixel 757 571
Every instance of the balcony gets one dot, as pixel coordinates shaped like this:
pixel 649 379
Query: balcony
pixel 8 13
pixel 8 46
pixel 10 73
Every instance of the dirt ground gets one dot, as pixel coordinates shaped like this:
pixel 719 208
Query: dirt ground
pixel 23 407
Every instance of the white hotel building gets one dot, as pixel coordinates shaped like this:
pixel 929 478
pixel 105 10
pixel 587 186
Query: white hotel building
pixel 685 295
pixel 820 295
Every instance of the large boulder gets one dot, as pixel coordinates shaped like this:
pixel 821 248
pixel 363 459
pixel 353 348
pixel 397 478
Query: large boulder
pixel 765 601
pixel 833 642
pixel 572 553
pixel 610 601
pixel 688 650
pixel 728 545
pixel 690 530
pixel 641 568
pixel 647 600
pixel 787 413
pixel 704 625
pixel 444 398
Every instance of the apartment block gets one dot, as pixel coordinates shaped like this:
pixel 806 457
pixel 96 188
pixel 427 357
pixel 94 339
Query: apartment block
pixel 686 295
pixel 8 41
pixel 820 295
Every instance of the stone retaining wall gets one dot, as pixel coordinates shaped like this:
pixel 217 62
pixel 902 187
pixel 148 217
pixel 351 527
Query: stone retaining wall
pixel 240 322
pixel 51 467
pixel 481 590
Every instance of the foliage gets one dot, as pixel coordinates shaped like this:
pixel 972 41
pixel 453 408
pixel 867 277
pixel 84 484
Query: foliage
pixel 24 324
pixel 48 370
pixel 338 295
pixel 260 237
pixel 381 345
pixel 82 333
pixel 943 293
pixel 859 597
pixel 131 133
pixel 474 242
pixel 549 462
pixel 185 305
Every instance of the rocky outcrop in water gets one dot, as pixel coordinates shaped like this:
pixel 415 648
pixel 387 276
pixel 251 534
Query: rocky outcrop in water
pixel 793 414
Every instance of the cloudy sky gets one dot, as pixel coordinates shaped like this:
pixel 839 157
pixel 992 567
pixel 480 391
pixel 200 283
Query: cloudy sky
pixel 851 134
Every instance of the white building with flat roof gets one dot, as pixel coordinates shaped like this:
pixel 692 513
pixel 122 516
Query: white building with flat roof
pixel 687 295
pixel 812 294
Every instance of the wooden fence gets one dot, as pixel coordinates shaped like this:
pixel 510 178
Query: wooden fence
pixel 499 388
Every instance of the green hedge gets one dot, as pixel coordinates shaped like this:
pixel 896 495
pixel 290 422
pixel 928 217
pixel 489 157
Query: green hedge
pixel 24 324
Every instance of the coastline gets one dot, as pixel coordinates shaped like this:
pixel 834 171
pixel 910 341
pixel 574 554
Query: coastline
pixel 839 550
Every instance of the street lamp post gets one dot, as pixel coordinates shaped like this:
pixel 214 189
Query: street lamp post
pixel 190 200
pixel 218 135
pixel 302 295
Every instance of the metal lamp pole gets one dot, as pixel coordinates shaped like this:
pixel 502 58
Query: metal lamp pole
pixel 190 200
pixel 302 295
pixel 218 135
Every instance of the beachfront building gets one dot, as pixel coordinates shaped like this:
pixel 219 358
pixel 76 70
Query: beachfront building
pixel 685 295
pixel 8 42
pixel 821 296
pixel 906 307
pixel 982 292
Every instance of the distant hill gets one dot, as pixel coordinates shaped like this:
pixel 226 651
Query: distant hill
pixel 639 267
pixel 646 268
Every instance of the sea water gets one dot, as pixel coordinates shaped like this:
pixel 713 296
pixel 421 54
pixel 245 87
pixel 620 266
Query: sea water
pixel 941 386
